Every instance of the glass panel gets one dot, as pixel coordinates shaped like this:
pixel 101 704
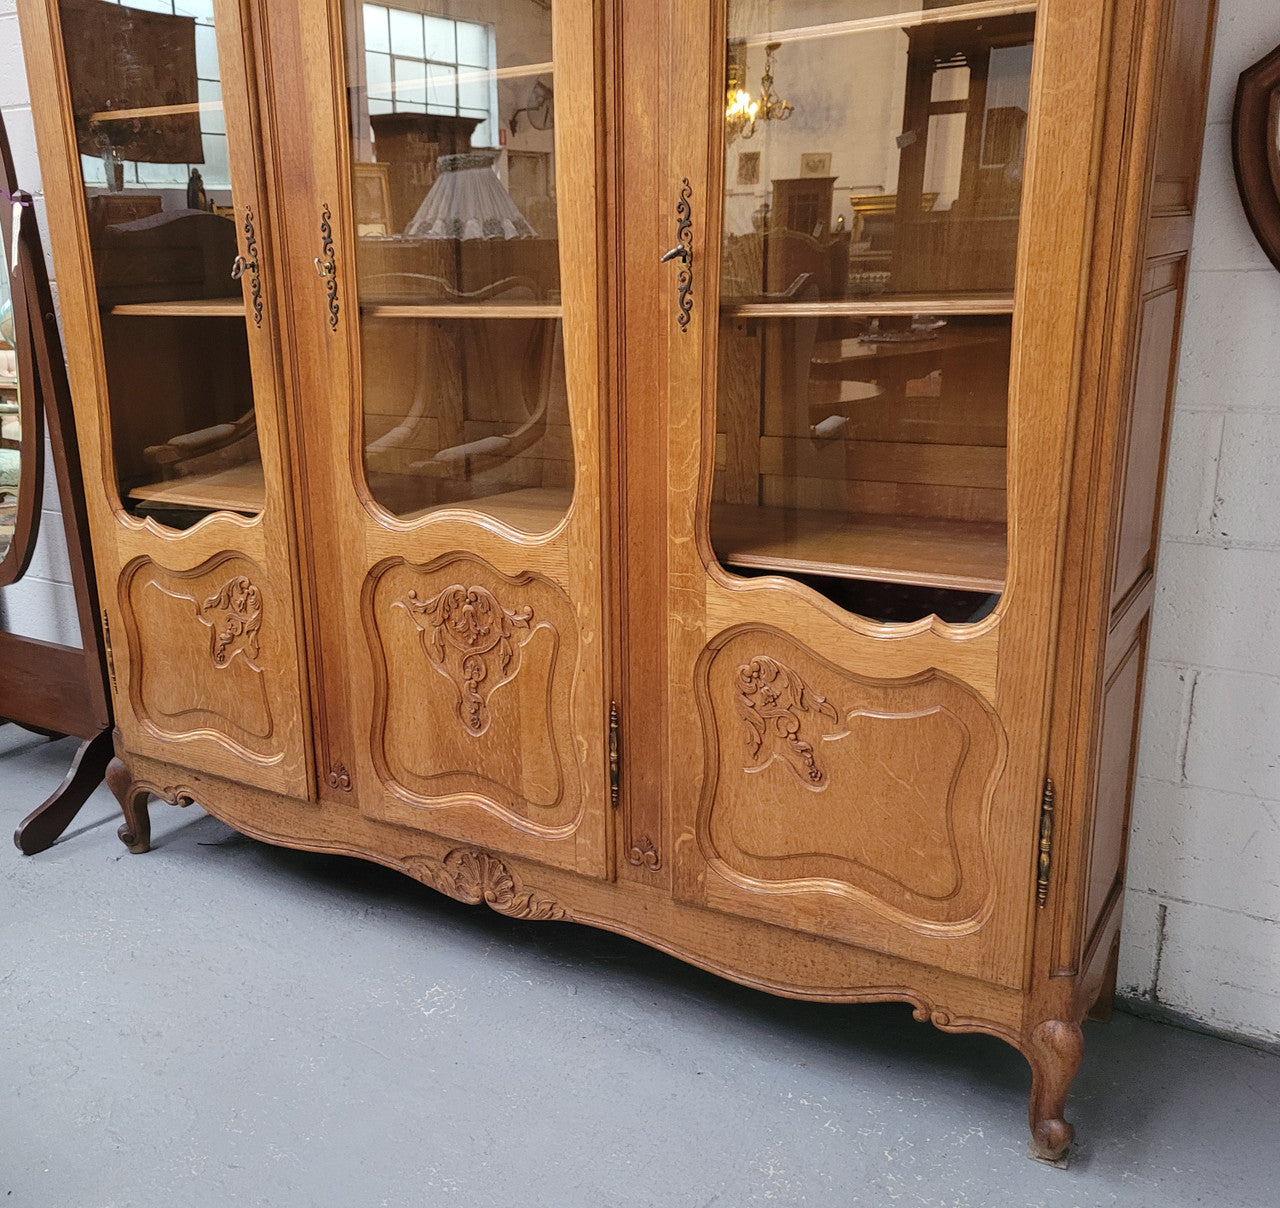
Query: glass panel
pixel 464 391
pixel 376 35
pixel 10 417
pixel 411 82
pixel 378 74
pixel 442 40
pixel 473 44
pixel 406 33
pixel 869 250
pixel 442 88
pixel 147 100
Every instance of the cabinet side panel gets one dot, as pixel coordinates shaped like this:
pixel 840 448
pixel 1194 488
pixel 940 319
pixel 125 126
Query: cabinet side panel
pixel 1113 791
pixel 1148 410
pixel 1138 460
pixel 1183 98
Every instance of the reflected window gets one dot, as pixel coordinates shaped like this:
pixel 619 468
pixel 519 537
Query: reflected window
pixel 464 390
pixel 416 62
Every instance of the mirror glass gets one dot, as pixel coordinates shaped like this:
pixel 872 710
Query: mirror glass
pixel 10 417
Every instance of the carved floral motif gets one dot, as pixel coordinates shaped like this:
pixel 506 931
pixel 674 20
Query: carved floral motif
pixel 235 616
pixel 468 635
pixel 771 698
pixel 474 876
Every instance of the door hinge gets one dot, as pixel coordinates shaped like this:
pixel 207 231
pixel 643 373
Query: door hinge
pixel 615 755
pixel 1046 842
pixel 106 642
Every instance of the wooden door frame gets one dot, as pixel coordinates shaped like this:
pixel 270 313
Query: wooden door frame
pixel 1015 644
pixel 123 543
pixel 310 159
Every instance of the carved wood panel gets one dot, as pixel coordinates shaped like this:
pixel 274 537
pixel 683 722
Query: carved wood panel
pixel 846 793
pixel 474 676
pixel 206 653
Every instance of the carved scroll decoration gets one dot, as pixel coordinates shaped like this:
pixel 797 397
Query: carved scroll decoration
pixel 235 616
pixel 339 779
pixel 643 854
pixel 468 635
pixel 771 700
pixel 474 877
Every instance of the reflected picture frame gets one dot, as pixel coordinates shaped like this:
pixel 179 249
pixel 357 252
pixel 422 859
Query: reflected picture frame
pixel 815 163
pixel 371 195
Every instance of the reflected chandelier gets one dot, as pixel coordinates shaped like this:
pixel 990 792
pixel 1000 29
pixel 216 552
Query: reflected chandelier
pixel 741 111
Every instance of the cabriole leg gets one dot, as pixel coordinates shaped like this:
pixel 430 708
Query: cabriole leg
pixel 135 834
pixel 1054 1051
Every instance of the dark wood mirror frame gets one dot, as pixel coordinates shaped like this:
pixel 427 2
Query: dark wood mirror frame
pixel 1254 134
pixel 45 687
pixel 15 559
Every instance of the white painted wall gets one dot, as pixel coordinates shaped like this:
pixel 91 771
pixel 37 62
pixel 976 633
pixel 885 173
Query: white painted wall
pixel 1202 915
pixel 1202 931
pixel 42 604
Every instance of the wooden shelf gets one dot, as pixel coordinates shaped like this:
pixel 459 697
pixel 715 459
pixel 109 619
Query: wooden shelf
pixel 461 310
pixel 956 554
pixel 530 510
pixel 870 308
pixel 980 10
pixel 128 115
pixel 239 489
pixel 191 308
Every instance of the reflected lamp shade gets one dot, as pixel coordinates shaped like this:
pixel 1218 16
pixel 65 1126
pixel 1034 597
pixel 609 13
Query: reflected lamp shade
pixel 468 201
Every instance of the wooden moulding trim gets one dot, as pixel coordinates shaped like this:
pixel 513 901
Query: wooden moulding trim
pixel 1254 131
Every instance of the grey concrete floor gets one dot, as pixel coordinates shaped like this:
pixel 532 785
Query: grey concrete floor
pixel 225 1023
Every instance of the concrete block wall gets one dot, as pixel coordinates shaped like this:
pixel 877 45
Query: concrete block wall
pixel 42 604
pixel 1202 932
pixel 1202 914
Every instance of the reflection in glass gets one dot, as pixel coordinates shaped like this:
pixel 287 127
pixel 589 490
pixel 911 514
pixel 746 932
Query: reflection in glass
pixel 458 258
pixel 10 416
pixel 146 96
pixel 868 263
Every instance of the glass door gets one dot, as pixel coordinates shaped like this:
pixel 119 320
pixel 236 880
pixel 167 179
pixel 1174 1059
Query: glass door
pixel 868 673
pixel 866 302
pixel 458 295
pixel 176 304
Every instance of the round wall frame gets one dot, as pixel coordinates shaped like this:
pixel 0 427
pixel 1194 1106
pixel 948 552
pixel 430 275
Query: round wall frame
pixel 1255 145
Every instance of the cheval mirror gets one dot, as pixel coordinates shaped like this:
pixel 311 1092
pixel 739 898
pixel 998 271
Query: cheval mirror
pixel 1255 142
pixel 45 687
pixel 21 427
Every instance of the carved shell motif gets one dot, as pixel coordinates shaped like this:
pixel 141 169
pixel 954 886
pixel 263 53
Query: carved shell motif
pixel 235 616
pixel 771 699
pixel 468 635
pixel 474 877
